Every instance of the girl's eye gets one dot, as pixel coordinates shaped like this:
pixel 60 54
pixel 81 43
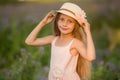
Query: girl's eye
pixel 61 19
pixel 70 21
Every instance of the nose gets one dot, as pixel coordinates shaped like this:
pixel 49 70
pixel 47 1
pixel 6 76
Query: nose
pixel 65 23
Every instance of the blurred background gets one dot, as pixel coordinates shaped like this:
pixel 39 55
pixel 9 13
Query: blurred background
pixel 19 61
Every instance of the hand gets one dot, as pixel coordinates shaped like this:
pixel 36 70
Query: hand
pixel 86 25
pixel 80 18
pixel 83 21
pixel 49 17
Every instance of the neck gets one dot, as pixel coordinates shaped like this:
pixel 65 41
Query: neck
pixel 66 36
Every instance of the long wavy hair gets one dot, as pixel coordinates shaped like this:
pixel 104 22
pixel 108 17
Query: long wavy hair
pixel 83 66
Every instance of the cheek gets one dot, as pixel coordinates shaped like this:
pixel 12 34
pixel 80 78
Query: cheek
pixel 59 23
pixel 72 26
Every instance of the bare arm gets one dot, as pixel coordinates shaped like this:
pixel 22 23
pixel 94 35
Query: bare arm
pixel 88 52
pixel 32 37
pixel 90 46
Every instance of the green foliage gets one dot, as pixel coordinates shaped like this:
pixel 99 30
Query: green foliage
pixel 18 60
pixel 101 72
pixel 22 62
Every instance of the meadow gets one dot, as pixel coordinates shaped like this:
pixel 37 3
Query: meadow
pixel 19 61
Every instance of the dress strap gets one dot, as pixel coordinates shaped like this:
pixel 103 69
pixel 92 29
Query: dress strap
pixel 70 42
pixel 53 42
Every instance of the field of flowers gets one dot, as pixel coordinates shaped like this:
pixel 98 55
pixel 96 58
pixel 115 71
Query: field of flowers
pixel 19 61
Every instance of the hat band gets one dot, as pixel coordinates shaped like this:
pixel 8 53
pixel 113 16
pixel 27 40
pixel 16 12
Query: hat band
pixel 67 10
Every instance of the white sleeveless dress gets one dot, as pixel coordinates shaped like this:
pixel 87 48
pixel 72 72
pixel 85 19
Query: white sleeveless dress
pixel 63 63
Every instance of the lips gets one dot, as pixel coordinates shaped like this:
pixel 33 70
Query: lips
pixel 63 28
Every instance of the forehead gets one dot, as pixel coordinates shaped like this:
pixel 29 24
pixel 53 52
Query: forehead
pixel 65 16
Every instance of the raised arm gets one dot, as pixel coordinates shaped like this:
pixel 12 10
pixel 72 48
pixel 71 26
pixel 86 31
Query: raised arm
pixel 32 37
pixel 90 44
pixel 88 52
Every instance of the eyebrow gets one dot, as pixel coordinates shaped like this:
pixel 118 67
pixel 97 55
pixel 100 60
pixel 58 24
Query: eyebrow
pixel 68 18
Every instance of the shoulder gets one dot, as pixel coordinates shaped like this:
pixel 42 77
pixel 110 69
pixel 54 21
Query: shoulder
pixel 51 37
pixel 77 43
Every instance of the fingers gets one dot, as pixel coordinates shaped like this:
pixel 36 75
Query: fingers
pixel 49 17
pixel 86 26
pixel 82 20
pixel 53 12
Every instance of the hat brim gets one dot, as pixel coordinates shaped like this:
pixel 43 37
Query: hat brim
pixel 66 13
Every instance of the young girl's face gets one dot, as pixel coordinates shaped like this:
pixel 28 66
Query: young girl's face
pixel 66 24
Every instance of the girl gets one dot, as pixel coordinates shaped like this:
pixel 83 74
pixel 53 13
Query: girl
pixel 72 48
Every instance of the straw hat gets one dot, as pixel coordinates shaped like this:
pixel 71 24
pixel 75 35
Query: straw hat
pixel 71 10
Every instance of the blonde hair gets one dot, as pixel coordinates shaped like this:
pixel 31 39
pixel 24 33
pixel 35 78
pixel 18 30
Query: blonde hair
pixel 83 65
